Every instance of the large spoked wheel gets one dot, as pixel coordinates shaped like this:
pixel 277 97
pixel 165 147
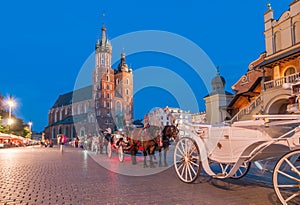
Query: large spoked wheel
pixel 223 169
pixel 109 150
pixel 286 178
pixel 121 154
pixel 187 160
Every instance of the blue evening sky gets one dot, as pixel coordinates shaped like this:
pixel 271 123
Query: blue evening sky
pixel 44 44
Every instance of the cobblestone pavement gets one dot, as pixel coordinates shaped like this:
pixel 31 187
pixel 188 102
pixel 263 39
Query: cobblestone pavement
pixel 38 175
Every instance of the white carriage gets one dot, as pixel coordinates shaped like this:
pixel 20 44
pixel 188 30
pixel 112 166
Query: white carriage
pixel 226 151
pixel 117 143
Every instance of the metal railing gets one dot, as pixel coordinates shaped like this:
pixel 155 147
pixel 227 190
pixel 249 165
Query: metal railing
pixel 280 81
pixel 247 110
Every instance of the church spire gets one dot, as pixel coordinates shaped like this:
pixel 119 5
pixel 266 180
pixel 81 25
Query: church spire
pixel 103 37
pixel 103 45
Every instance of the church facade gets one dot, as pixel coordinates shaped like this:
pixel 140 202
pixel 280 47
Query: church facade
pixel 108 102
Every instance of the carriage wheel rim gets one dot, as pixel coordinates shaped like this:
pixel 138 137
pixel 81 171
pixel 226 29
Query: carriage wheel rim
pixel 291 174
pixel 187 160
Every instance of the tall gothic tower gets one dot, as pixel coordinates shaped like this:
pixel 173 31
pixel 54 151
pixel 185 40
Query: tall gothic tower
pixel 112 89
pixel 103 82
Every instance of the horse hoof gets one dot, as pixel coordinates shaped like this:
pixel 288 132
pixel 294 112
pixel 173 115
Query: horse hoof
pixel 145 166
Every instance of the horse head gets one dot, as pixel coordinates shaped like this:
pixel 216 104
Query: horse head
pixel 171 131
pixel 175 131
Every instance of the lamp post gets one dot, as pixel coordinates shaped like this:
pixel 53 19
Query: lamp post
pixel 30 125
pixel 11 103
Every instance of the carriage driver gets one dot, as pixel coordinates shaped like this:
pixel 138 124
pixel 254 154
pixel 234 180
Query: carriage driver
pixel 107 133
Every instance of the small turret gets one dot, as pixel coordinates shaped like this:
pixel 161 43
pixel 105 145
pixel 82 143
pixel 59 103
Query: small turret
pixel 218 83
pixel 268 17
pixel 123 67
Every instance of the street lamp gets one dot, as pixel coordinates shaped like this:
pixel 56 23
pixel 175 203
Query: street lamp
pixel 30 125
pixel 11 103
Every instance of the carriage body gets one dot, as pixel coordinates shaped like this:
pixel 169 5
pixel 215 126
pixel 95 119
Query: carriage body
pixel 226 150
pixel 227 144
pixel 117 142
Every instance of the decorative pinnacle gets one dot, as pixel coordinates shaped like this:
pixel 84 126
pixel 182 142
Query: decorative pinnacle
pixel 269 6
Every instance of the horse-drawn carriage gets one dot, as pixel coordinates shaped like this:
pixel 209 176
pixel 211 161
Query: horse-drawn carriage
pixel 226 151
pixel 146 140
pixel 118 143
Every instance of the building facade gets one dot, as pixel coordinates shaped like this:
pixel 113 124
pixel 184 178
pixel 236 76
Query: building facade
pixel 217 101
pixel 261 90
pixel 108 102
pixel 167 116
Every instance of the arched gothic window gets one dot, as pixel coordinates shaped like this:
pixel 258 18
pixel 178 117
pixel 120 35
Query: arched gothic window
pixel 118 107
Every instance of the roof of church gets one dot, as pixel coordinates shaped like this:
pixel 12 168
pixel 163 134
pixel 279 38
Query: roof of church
pixel 70 120
pixel 74 96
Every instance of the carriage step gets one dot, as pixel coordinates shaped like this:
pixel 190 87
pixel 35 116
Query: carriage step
pixel 219 175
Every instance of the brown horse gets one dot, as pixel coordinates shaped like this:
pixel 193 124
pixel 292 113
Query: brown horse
pixel 145 139
pixel 169 132
pixel 149 139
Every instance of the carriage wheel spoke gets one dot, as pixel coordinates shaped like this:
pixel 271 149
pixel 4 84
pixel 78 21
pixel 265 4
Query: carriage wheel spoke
pixel 182 148
pixel 189 169
pixel 181 169
pixel 195 164
pixel 180 166
pixel 181 152
pixel 288 186
pixel 180 156
pixel 293 196
pixel 289 176
pixel 294 169
pixel 187 145
pixel 192 150
pixel 193 169
pixel 244 165
pixel 186 172
pixel 240 172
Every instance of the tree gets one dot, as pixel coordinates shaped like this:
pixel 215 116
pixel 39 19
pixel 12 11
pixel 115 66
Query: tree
pixel 3 128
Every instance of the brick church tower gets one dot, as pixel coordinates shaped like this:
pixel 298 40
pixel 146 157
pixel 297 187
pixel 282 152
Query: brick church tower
pixel 112 89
